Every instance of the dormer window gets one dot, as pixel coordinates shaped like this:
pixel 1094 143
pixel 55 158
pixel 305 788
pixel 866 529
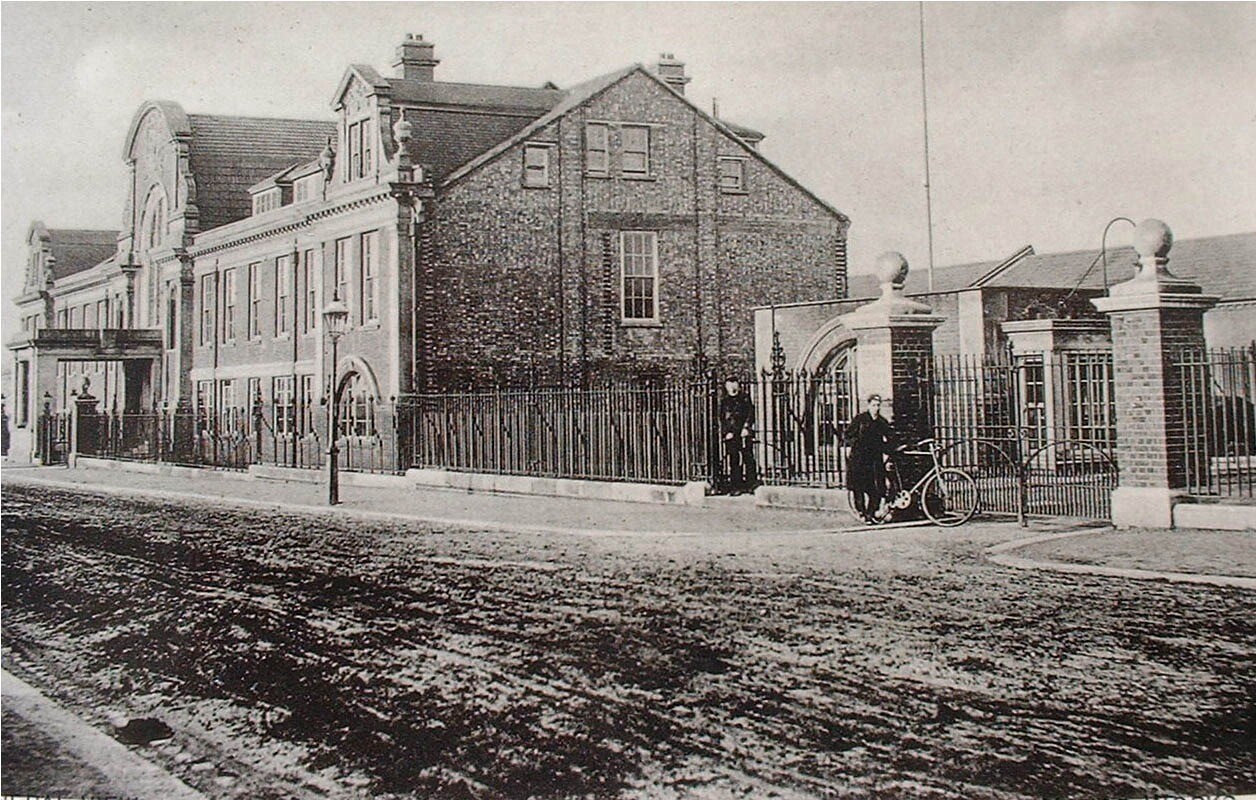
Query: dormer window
pixel 267 200
pixel 306 188
pixel 360 163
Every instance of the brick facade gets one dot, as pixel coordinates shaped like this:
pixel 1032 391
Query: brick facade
pixel 479 278
pixel 1151 442
pixel 524 283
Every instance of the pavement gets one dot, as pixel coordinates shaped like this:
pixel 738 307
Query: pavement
pixel 1075 546
pixel 450 507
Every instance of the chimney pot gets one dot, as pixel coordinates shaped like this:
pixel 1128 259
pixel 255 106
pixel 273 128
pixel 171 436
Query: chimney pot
pixel 416 59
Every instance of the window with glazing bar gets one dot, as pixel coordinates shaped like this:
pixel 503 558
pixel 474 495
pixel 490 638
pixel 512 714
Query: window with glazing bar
pixel 207 309
pixel 368 252
pixel 228 304
pixel 282 405
pixel 639 275
pixel 597 148
pixel 254 308
pixel 311 281
pixel 536 161
pixel 341 267
pixel 635 159
pixel 283 293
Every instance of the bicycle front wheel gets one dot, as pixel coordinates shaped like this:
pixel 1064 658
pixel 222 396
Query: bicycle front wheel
pixel 950 497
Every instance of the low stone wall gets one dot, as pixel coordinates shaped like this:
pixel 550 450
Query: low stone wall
pixel 1214 516
pixel 689 494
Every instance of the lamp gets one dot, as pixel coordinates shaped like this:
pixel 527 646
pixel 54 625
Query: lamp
pixel 335 320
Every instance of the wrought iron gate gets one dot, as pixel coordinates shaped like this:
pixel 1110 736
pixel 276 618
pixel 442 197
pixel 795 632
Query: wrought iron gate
pixel 1037 431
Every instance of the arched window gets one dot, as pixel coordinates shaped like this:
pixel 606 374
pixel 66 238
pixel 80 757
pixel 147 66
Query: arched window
pixel 357 407
pixel 153 223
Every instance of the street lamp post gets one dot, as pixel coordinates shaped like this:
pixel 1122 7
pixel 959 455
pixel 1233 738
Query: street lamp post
pixel 335 318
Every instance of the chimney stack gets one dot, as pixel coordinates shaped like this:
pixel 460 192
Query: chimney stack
pixel 672 72
pixel 416 59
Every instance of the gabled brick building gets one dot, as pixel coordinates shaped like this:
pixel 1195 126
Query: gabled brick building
pixel 478 234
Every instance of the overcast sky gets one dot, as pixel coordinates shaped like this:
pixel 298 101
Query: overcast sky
pixel 1046 120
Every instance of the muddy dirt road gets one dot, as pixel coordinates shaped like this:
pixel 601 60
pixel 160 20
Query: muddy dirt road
pixel 300 657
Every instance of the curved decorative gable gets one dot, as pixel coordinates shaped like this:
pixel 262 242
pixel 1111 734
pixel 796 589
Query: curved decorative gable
pixel 157 148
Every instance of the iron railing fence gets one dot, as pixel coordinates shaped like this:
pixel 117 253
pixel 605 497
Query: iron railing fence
pixel 802 418
pixel 194 439
pixel 235 438
pixel 647 433
pixel 1037 432
pixel 294 435
pixel 664 432
pixel 1217 409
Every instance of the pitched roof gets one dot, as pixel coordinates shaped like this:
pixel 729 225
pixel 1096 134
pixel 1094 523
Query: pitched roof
pixel 1222 265
pixel 573 97
pixel 455 122
pixel 473 95
pixel 584 92
pixel 78 250
pixel 231 154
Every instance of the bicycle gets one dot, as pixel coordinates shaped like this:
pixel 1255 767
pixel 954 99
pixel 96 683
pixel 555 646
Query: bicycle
pixel 947 496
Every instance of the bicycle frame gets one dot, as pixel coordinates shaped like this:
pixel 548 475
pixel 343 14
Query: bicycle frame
pixel 918 487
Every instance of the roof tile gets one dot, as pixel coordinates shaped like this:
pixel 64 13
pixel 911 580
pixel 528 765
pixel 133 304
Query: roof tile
pixel 78 250
pixel 231 154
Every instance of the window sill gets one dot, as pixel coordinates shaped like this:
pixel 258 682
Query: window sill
pixel 629 176
pixel 734 191
pixel 373 325
pixel 283 337
pixel 640 323
pixel 536 185
pixel 599 175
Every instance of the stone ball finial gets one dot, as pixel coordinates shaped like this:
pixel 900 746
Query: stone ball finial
pixel 891 267
pixel 1152 239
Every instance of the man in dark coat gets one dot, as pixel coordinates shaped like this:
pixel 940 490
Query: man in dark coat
pixel 868 437
pixel 736 429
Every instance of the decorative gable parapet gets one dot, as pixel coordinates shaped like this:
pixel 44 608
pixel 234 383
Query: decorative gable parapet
pixel 364 102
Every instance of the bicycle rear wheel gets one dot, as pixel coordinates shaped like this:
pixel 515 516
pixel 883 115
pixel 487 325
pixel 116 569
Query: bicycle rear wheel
pixel 950 497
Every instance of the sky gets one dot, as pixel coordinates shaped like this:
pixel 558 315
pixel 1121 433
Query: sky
pixel 1046 120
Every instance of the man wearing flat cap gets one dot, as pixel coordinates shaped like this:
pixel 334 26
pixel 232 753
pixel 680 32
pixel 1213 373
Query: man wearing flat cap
pixel 868 436
pixel 736 432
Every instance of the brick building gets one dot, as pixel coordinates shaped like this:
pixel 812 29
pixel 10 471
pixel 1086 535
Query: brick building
pixel 478 235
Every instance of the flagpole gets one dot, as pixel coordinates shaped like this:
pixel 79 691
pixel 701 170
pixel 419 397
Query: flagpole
pixel 924 104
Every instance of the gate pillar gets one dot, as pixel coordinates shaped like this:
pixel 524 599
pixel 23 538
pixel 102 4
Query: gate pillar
pixel 894 337
pixel 84 425
pixel 1154 314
